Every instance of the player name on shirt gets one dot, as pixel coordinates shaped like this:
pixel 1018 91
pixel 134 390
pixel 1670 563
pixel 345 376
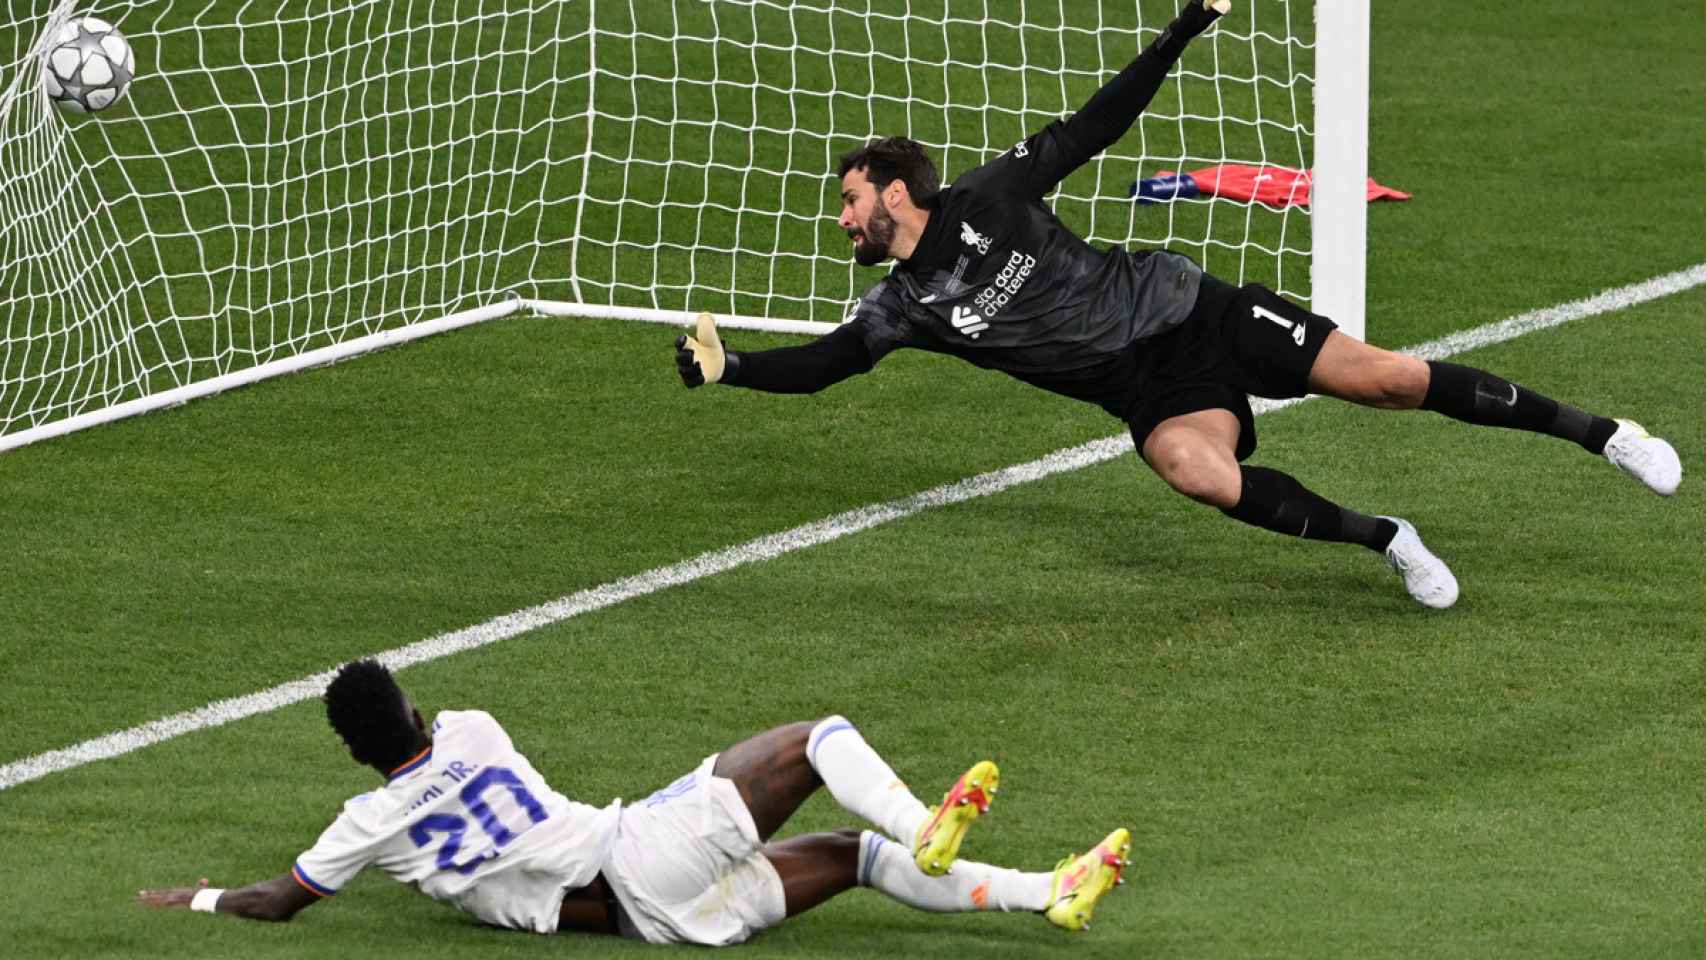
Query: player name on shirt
pixel 455 771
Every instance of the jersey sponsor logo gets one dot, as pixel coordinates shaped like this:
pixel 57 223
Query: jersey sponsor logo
pixel 968 321
pixel 1297 330
pixel 972 238
pixel 1006 284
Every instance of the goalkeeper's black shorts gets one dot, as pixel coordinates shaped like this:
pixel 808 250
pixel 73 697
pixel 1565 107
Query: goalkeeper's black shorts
pixel 1237 341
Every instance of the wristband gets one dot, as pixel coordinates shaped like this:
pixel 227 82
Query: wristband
pixel 206 900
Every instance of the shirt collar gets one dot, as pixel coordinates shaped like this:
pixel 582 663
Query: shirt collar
pixel 411 765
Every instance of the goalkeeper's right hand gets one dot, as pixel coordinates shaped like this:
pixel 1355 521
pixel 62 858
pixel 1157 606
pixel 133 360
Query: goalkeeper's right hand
pixel 700 358
pixel 1195 17
pixel 1211 11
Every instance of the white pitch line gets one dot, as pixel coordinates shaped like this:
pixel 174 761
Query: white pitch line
pixel 221 712
pixel 1609 301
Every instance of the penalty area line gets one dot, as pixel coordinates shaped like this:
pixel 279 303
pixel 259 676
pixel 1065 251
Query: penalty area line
pixel 221 712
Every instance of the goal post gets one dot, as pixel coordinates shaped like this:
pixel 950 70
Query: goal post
pixel 290 184
pixel 1339 205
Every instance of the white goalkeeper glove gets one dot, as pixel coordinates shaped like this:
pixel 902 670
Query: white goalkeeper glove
pixel 699 357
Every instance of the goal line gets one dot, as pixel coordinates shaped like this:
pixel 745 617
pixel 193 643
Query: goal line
pixel 381 340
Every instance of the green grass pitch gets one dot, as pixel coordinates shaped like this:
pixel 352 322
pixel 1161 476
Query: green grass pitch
pixel 1311 765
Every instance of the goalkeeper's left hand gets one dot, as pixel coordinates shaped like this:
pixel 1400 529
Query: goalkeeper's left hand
pixel 700 358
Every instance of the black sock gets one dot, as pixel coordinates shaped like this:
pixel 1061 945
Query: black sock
pixel 1276 501
pixel 1476 396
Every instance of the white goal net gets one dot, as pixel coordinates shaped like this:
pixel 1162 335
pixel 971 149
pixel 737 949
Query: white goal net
pixel 290 182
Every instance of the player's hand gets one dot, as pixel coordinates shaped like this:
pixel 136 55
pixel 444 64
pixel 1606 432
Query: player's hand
pixel 1197 17
pixel 700 357
pixel 175 897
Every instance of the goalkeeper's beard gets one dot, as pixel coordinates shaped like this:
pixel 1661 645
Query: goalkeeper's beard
pixel 873 247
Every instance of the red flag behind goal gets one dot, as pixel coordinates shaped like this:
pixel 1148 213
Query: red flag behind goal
pixel 1273 186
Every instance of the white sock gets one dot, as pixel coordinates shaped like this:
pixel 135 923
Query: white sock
pixel 885 866
pixel 861 782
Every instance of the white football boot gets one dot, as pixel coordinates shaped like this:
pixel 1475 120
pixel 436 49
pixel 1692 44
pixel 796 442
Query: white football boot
pixel 1647 458
pixel 1426 576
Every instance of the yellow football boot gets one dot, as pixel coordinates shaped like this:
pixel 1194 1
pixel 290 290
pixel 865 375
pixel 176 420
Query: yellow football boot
pixel 1082 880
pixel 939 839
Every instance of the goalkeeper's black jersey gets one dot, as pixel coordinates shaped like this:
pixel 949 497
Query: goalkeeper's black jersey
pixel 998 280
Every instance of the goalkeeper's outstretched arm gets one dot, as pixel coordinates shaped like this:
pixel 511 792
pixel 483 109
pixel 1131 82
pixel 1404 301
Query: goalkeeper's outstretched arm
pixel 831 358
pixel 1065 145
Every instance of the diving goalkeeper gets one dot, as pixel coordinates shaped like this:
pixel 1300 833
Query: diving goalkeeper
pixel 986 273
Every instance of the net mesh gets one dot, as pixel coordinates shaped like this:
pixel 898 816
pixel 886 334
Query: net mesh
pixel 285 176
pixel 276 180
pixel 717 128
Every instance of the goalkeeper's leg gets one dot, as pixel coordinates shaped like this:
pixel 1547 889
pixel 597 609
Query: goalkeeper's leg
pixel 1196 453
pixel 1351 370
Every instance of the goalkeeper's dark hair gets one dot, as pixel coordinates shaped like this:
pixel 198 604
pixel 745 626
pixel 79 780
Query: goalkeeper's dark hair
pixel 367 708
pixel 896 158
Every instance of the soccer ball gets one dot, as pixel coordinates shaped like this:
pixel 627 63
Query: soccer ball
pixel 88 66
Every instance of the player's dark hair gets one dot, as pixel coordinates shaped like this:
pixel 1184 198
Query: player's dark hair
pixel 896 158
pixel 367 708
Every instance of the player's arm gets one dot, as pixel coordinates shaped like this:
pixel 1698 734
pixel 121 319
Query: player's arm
pixel 277 899
pixel 808 368
pixel 1047 157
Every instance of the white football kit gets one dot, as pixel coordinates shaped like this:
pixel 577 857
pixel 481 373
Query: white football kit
pixel 471 823
pixel 688 865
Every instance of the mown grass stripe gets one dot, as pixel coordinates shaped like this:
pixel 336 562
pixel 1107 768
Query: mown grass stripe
pixel 774 545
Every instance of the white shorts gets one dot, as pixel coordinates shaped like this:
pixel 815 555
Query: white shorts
pixel 686 865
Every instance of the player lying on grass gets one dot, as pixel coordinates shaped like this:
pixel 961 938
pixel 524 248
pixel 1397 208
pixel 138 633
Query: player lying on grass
pixel 986 273
pixel 467 820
